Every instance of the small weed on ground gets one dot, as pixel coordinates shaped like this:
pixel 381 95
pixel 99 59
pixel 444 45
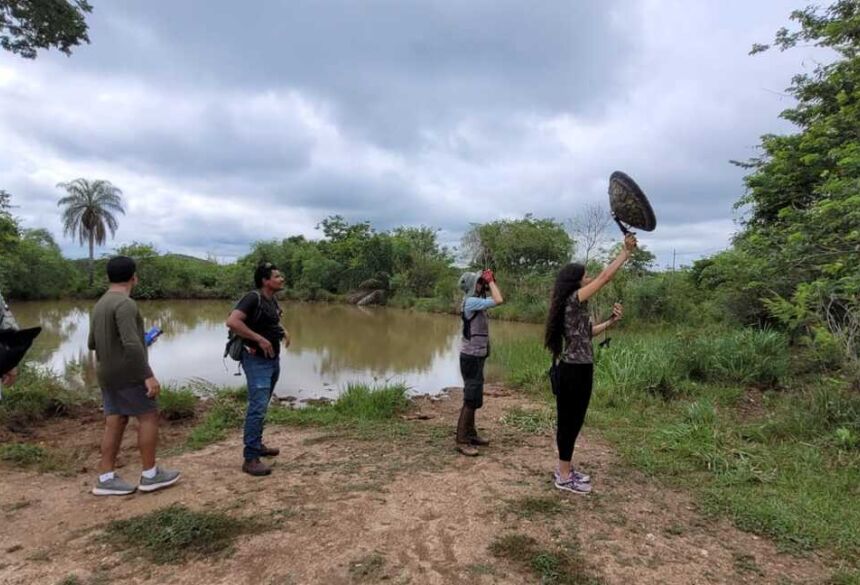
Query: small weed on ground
pixel 368 568
pixel 533 421
pixel 563 565
pixel 746 563
pixel 23 454
pixel 530 507
pixel 175 533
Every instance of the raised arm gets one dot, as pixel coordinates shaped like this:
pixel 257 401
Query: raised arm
pixel 589 290
pixel 495 293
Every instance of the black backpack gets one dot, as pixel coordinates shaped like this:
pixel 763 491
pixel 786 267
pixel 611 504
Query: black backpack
pixel 236 343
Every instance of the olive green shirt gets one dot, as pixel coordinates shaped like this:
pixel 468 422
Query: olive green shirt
pixel 116 335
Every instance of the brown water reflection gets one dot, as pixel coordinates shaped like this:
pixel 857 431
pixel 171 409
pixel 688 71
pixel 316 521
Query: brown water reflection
pixel 332 344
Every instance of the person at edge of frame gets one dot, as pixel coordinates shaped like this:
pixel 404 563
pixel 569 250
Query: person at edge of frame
pixel 7 321
pixel 568 335
pixel 474 349
pixel 129 388
pixel 257 319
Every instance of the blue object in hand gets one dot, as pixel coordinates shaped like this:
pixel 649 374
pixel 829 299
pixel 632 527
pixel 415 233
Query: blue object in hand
pixel 152 334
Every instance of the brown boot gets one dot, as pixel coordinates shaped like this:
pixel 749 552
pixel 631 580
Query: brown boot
pixel 256 467
pixel 269 451
pixel 472 432
pixel 464 445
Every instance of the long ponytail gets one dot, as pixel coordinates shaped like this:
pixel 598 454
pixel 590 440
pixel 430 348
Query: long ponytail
pixel 567 282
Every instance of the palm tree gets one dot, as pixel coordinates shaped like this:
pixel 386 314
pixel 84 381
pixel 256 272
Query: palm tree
pixel 88 212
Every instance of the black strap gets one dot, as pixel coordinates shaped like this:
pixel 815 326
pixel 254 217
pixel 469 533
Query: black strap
pixel 259 311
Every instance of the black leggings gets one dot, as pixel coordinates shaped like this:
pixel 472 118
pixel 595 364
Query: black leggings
pixel 571 404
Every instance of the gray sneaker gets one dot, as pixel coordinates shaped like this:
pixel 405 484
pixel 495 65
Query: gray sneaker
pixel 113 487
pixel 572 485
pixel 163 478
pixel 581 477
pixel 574 474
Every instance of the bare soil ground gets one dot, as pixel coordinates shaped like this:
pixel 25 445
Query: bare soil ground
pixel 400 508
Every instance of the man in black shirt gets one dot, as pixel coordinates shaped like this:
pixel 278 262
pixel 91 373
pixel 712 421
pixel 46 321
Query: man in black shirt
pixel 257 319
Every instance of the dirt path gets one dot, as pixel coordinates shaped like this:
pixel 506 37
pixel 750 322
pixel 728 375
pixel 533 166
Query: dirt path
pixel 399 509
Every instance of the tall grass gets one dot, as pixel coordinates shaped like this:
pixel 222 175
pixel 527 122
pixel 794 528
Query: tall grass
pixel 673 403
pixel 359 404
pixel 177 403
pixel 660 363
pixel 38 395
pixel 521 362
pixel 226 411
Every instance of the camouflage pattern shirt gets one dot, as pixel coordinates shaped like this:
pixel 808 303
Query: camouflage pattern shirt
pixel 577 332
pixel 7 320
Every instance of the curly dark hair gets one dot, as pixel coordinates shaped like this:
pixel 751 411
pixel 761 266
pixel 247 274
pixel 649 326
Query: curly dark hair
pixel 567 282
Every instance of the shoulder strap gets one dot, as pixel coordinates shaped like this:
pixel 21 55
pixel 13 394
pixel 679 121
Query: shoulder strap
pixel 259 310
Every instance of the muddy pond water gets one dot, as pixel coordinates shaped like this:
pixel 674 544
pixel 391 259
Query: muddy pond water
pixel 332 345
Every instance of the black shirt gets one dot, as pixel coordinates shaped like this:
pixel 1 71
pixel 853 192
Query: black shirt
pixel 267 322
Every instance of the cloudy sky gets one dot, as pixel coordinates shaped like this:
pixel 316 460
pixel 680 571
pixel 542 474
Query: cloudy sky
pixel 224 124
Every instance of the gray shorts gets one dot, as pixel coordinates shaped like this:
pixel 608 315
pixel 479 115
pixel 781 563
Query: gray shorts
pixel 130 401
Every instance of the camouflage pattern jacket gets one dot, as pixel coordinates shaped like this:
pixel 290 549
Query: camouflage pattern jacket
pixel 7 319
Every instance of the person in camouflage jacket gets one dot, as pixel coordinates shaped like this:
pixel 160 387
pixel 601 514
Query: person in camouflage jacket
pixel 7 321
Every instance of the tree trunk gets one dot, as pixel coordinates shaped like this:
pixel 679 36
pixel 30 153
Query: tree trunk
pixel 91 260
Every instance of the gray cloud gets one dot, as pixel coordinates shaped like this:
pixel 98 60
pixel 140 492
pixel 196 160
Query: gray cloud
pixel 224 124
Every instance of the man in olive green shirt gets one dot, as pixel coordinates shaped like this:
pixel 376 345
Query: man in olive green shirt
pixel 128 385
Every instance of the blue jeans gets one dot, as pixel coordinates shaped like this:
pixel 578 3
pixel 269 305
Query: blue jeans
pixel 262 375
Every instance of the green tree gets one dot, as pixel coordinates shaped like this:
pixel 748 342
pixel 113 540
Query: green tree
pixel 358 249
pixel 520 246
pixel 88 212
pixel 798 249
pixel 802 206
pixel 418 261
pixel 29 25
pixel 37 269
pixel 9 229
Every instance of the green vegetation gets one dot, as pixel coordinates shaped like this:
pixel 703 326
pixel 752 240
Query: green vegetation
pixel 29 26
pixel 226 412
pixel 177 533
pixel 177 403
pixel 22 454
pixel 38 395
pixel 533 421
pixel 88 213
pixel 359 406
pixel 795 262
pixel 562 565
pixel 531 506
pixel 718 412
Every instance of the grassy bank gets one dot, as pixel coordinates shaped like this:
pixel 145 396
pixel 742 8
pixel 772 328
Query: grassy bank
pixel 198 413
pixel 38 396
pixel 360 408
pixel 722 413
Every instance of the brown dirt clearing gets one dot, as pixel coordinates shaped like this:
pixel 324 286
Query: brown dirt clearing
pixel 402 508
